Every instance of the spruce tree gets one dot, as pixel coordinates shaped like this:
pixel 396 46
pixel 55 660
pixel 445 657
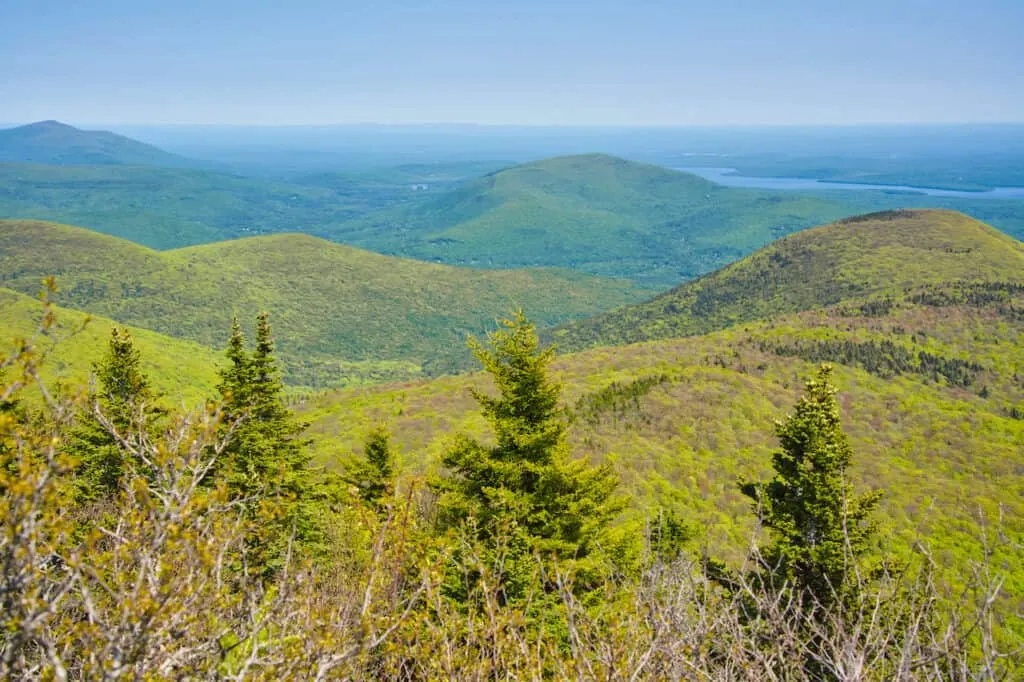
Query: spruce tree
pixel 265 464
pixel 126 400
pixel 524 493
pixel 235 377
pixel 820 528
pixel 374 475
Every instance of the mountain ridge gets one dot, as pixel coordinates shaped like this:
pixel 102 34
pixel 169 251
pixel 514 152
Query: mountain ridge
pixel 334 306
pixel 851 258
pixel 55 143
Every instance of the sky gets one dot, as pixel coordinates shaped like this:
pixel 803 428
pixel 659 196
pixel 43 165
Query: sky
pixel 529 62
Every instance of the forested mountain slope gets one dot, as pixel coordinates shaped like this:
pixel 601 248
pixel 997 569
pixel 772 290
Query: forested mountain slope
pixel 341 314
pixel 932 391
pixel 593 212
pixel 868 255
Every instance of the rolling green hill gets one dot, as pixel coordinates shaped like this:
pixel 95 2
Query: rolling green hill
pixel 608 216
pixel 853 258
pixel 180 370
pixel 340 314
pixel 929 363
pixel 52 142
pixel 596 213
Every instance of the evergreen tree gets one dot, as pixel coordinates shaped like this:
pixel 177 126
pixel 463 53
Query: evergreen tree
pixel 667 535
pixel 124 397
pixel 374 475
pixel 819 526
pixel 524 494
pixel 235 378
pixel 266 462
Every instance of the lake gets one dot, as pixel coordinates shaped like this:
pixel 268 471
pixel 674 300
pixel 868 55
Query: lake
pixel 725 176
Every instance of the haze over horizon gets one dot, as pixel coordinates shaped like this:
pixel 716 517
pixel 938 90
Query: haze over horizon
pixel 527 63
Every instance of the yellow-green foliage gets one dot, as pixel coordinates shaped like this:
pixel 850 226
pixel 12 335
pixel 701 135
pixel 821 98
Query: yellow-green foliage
pixel 179 370
pixel 855 257
pixel 332 305
pixel 703 417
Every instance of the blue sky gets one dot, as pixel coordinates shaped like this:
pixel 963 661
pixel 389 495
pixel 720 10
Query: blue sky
pixel 525 62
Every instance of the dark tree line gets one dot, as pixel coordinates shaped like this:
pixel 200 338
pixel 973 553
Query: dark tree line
pixel 883 358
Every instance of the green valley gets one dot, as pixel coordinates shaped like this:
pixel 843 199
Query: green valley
pixel 166 208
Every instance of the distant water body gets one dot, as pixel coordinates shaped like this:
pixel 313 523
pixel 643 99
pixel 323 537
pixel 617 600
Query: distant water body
pixel 722 177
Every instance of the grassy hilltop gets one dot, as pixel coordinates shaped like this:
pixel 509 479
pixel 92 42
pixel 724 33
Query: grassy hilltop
pixel 340 314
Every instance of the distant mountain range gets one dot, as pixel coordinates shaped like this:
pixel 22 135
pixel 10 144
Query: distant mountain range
pixel 592 213
pixel 56 143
